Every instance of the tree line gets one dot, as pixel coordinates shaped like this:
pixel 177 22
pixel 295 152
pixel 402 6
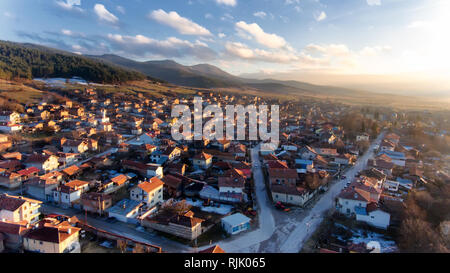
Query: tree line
pixel 18 61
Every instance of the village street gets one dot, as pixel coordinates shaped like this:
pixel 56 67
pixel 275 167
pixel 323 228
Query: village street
pixel 286 232
pixel 265 208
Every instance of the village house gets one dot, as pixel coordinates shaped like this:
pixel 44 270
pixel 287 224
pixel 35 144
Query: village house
pixel 44 163
pixel 125 210
pixel 10 117
pixel 297 196
pixel 283 177
pixel 75 146
pixel 52 238
pixel 5 143
pixel 186 226
pixel 8 127
pixel 173 185
pixel 356 195
pixel 18 208
pixel 28 173
pixel 148 170
pixel 231 188
pixel 149 192
pixel 10 180
pixel 41 189
pixel 70 192
pixel 13 233
pixel 96 202
pixel 373 215
pixel 235 223
pixel 202 161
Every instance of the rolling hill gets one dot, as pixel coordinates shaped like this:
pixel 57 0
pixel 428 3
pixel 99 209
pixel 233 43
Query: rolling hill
pixel 209 76
pixel 30 61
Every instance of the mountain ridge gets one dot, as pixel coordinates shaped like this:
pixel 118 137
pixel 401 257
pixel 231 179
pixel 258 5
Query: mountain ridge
pixel 210 76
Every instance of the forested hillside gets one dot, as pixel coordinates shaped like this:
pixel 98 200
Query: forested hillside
pixel 19 61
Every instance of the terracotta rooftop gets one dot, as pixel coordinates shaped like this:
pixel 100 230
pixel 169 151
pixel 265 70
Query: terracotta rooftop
pixel 213 249
pixel 153 184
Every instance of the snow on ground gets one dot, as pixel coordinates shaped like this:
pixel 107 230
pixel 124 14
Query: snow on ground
pixel 250 241
pixel 60 82
pixel 365 236
pixel 223 209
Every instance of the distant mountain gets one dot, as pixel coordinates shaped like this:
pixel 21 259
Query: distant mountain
pixel 32 61
pixel 202 76
pixel 209 76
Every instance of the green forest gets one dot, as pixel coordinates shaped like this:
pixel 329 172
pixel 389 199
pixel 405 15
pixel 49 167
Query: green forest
pixel 19 61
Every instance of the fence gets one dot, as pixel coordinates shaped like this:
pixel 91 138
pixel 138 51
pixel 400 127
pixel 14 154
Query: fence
pixel 116 237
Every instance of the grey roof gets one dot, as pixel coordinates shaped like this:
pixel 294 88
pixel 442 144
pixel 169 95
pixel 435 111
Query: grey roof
pixel 236 219
pixel 124 206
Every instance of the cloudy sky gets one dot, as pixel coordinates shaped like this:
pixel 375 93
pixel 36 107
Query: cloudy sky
pixel 250 37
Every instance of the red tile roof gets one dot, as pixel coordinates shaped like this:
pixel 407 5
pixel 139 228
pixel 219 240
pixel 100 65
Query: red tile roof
pixel 153 184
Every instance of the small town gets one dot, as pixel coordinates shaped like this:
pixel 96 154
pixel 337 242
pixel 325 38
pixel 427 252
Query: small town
pixel 224 135
pixel 84 172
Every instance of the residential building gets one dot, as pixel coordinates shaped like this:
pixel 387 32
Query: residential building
pixel 18 208
pixel 235 223
pixel 149 192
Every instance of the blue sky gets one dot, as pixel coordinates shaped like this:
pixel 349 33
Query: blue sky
pixel 253 37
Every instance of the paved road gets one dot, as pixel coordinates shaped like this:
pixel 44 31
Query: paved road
pixel 309 224
pixel 266 220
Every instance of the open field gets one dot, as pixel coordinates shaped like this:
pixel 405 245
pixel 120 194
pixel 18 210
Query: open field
pixel 19 92
pixel 33 91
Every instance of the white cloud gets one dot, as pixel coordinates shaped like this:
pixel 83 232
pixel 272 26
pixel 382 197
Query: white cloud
pixel 104 15
pixel 227 17
pixel 322 16
pixel 120 9
pixel 242 51
pixel 70 5
pixel 67 32
pixel 263 38
pixel 181 24
pixel 227 2
pixel 373 2
pixel 221 35
pixel 172 47
pixel 260 14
